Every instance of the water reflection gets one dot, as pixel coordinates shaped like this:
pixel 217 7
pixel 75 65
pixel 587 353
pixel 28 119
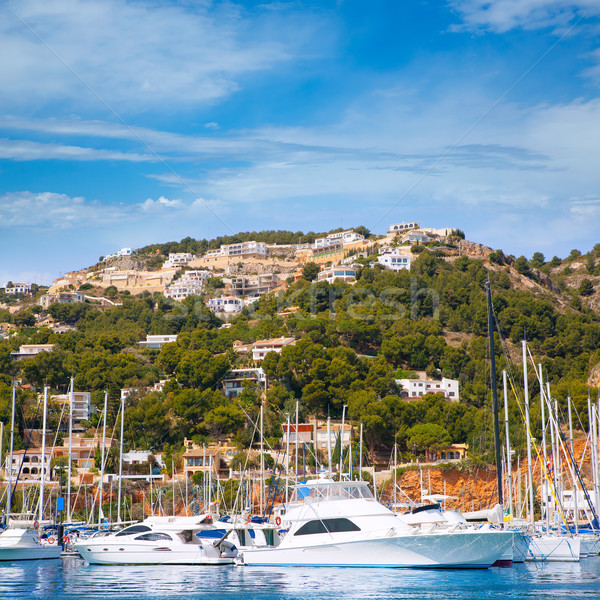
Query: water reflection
pixel 72 578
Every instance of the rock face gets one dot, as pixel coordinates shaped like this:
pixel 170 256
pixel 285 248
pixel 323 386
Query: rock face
pixel 474 250
pixel 545 281
pixel 128 263
pixel 594 378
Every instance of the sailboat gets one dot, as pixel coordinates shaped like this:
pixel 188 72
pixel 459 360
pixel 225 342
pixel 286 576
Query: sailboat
pixel 20 540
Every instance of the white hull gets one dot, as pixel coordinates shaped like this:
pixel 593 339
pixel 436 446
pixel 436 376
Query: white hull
pixel 444 550
pixel 151 556
pixel 23 544
pixel 552 548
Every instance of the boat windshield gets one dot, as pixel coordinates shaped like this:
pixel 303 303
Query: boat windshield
pixel 317 490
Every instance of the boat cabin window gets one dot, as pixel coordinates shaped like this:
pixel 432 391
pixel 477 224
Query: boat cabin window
pixel 133 529
pixel 153 537
pixel 327 526
pixel 328 491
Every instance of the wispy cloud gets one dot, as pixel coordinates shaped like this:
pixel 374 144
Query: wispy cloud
pixel 136 54
pixel 502 15
pixel 24 150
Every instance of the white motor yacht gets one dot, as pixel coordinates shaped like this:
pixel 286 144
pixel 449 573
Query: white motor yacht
pixel 21 542
pixel 158 540
pixel 335 523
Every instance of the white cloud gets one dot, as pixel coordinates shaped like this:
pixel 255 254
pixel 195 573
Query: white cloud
pixel 51 210
pixel 162 202
pixel 503 15
pixel 583 209
pixel 135 55
pixel 23 150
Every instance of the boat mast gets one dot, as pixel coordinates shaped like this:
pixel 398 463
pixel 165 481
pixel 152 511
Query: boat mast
pixel 262 465
pixel 121 459
pixel 494 394
pixel 71 400
pixel 100 514
pixel 528 432
pixel 297 426
pixel 360 453
pixel 342 441
pixel 575 488
pixel 10 460
pixel 508 452
pixel 330 471
pixel 544 481
pixel 287 461
pixel 43 477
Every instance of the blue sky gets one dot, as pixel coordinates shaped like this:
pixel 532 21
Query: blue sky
pixel 127 123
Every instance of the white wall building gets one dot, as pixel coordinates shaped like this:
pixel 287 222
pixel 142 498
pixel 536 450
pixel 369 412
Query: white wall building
pixel 417 236
pixel 191 283
pixel 178 259
pixel 416 388
pixel 31 464
pixel 343 237
pixel 233 382
pixel 82 405
pixel 257 249
pixel 18 288
pixel 395 259
pixel 342 273
pixel 121 252
pixel 157 341
pixel 61 298
pixel 262 347
pixel 27 350
pixel 225 305
pixel 396 228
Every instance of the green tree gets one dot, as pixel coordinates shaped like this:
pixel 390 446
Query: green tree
pixel 427 437
pixel 310 271
pixel 586 288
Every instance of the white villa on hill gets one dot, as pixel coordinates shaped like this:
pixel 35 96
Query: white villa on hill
pixel 413 389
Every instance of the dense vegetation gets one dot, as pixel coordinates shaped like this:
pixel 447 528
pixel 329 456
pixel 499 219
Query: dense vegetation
pixel 353 343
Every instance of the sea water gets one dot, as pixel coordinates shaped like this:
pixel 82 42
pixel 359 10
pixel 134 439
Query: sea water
pixel 72 578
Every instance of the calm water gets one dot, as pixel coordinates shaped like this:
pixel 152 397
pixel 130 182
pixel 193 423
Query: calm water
pixel 71 578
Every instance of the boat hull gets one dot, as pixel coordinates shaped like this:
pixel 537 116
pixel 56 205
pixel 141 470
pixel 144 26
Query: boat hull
pixel 41 553
pixel 446 550
pixel 552 548
pixel 124 555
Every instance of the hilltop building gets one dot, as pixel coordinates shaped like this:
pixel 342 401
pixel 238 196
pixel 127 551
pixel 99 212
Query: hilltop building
pixel 337 272
pixel 18 288
pixel 255 249
pixel 28 350
pixel 395 259
pixel 342 237
pixel 233 382
pixel 82 405
pixel 158 341
pixel 225 305
pixel 178 259
pixel 413 389
pixel 261 348
pixel 61 298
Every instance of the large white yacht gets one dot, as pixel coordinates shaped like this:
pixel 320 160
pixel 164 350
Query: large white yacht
pixel 335 523
pixel 158 540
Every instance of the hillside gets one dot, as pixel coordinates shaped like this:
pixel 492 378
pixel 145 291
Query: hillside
pixel 352 341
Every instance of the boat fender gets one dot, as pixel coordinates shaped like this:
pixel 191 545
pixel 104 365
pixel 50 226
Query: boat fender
pixel 35 524
pixel 278 521
pixel 51 540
